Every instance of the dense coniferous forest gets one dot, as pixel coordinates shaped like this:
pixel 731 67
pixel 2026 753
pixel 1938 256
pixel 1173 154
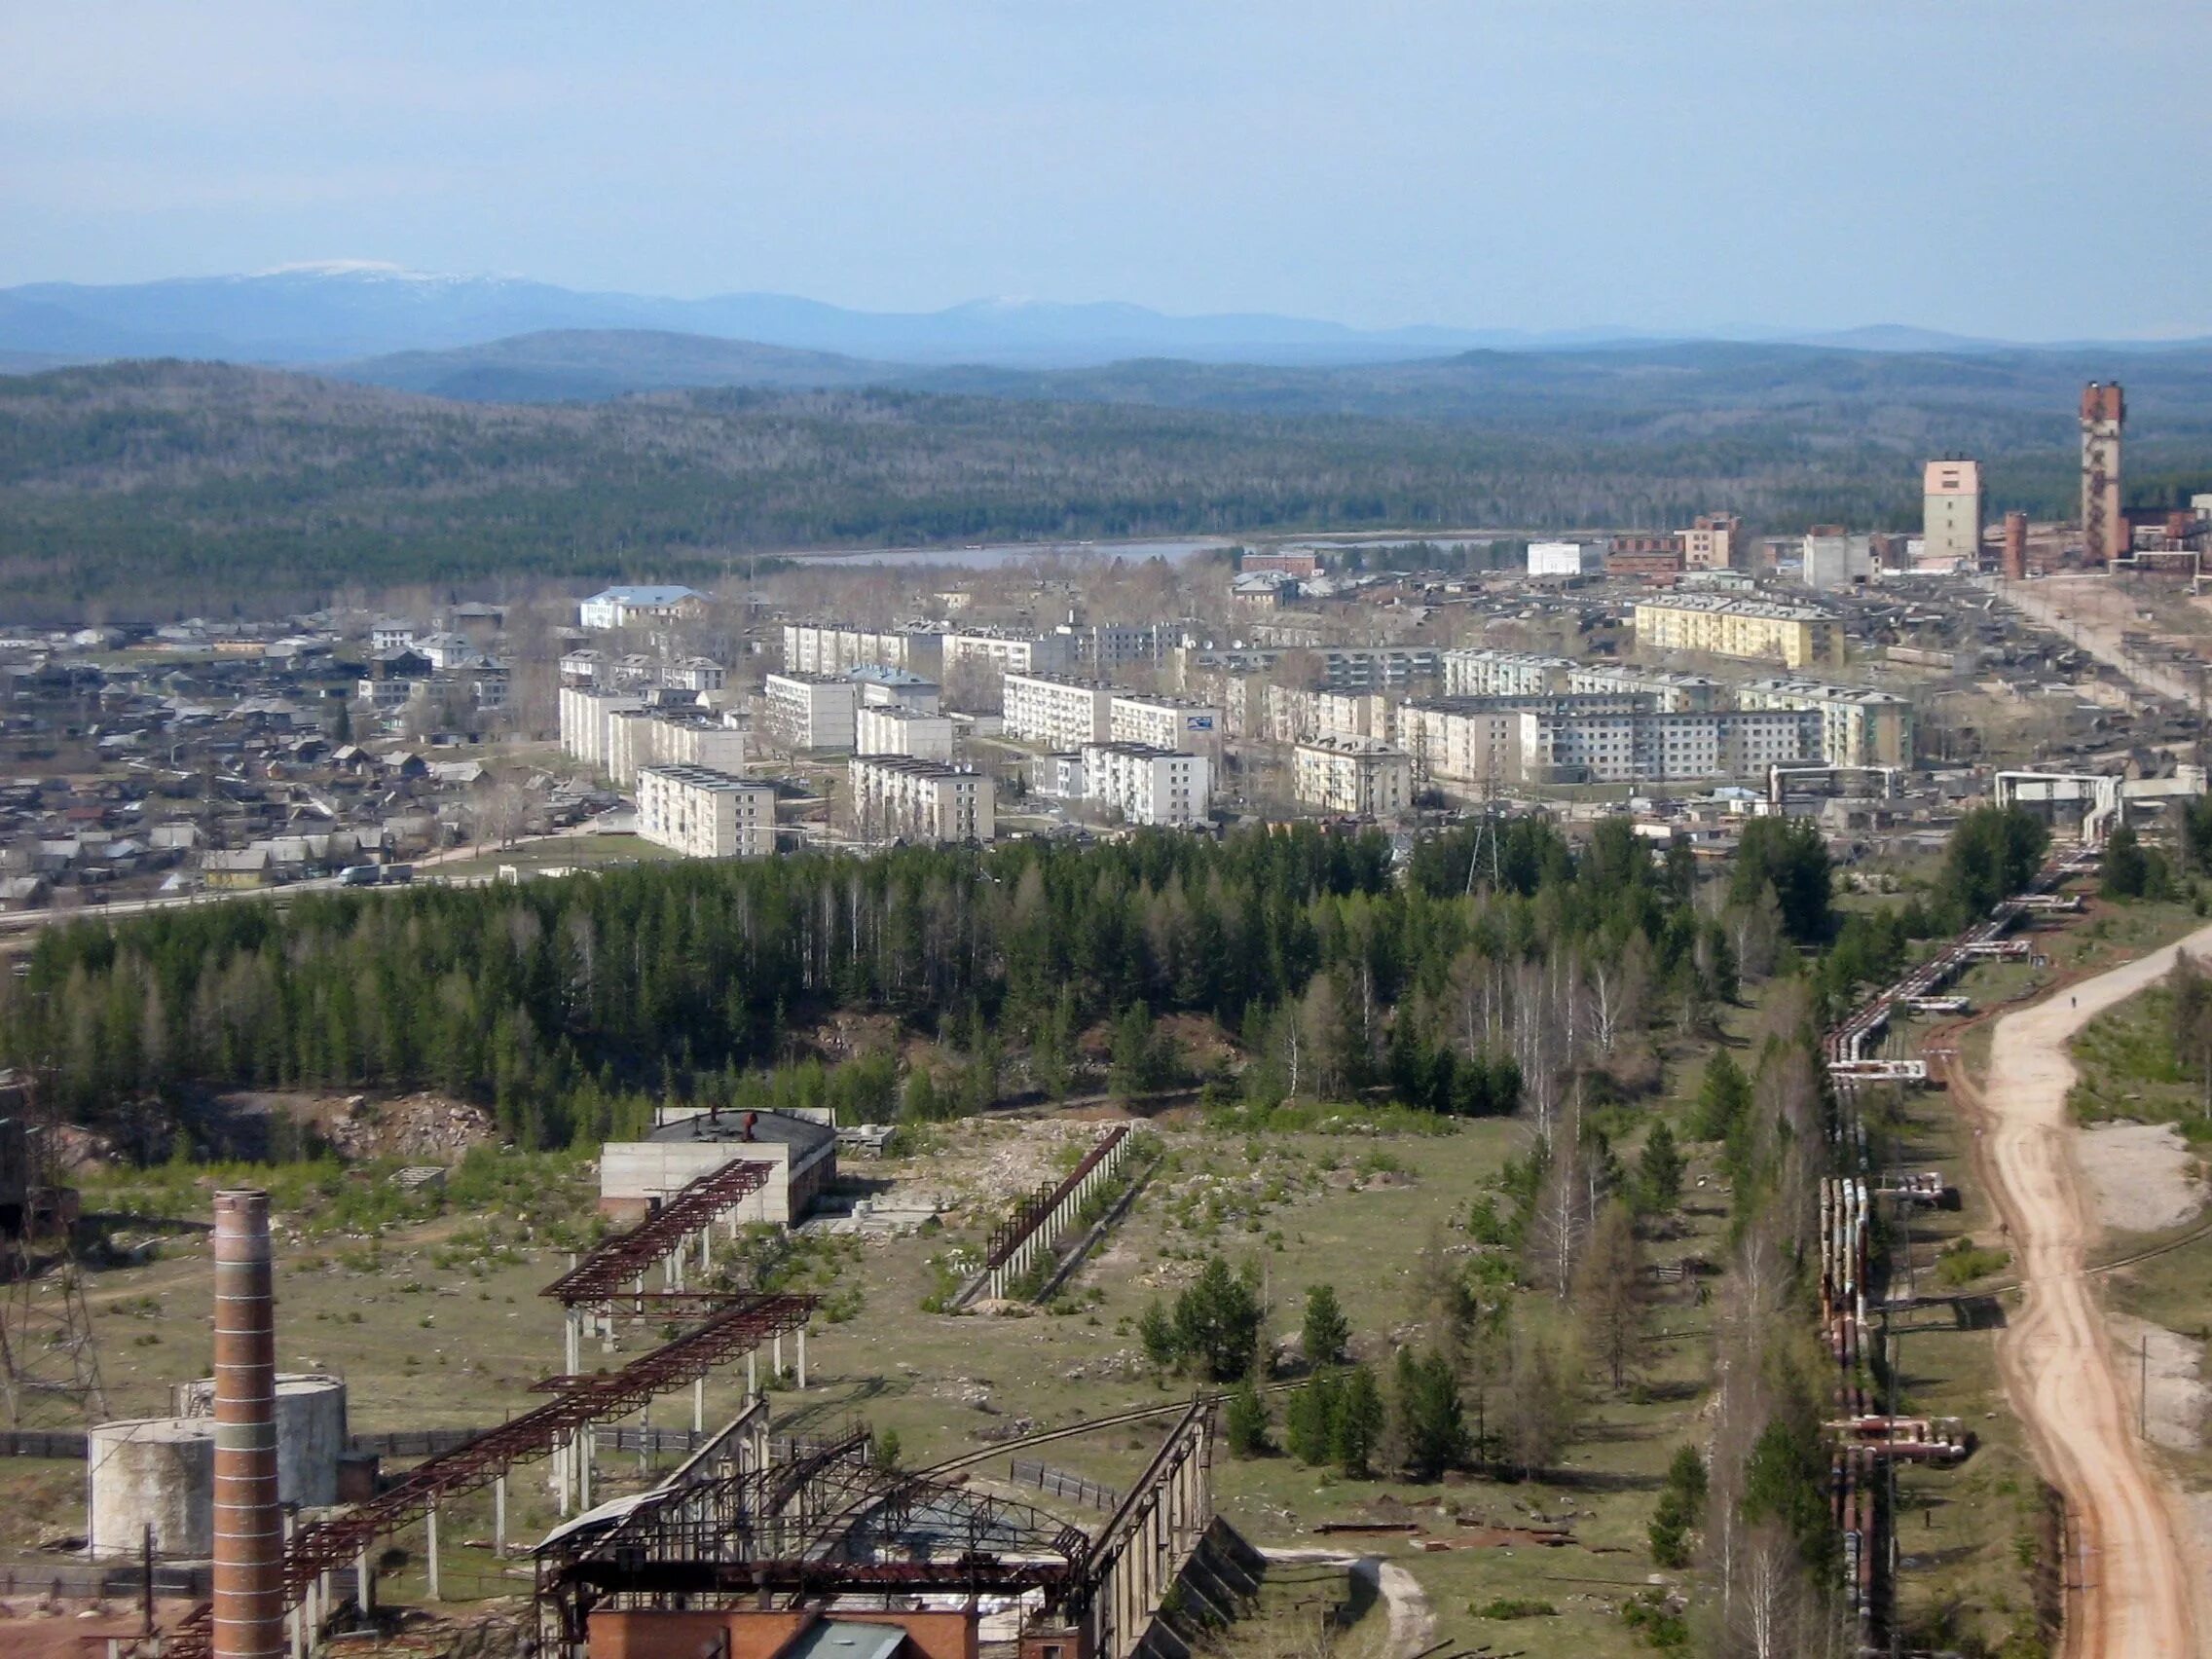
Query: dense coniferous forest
pixel 567 1005
pixel 161 488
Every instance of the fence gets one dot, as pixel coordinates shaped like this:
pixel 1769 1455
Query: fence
pixel 92 1581
pixel 1061 1484
pixel 43 1443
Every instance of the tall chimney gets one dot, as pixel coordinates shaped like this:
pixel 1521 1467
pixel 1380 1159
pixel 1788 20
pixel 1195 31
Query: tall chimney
pixel 249 1542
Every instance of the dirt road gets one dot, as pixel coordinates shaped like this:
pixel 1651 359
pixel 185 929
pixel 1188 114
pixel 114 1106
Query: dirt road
pixel 2130 1585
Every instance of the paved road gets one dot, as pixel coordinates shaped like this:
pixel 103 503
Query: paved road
pixel 2130 1585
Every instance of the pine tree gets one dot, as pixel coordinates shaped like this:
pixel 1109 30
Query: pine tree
pixel 1309 1420
pixel 1156 1332
pixel 1325 1336
pixel 1609 1291
pixel 1360 1419
pixel 1659 1172
pixel 1431 1425
pixel 1245 1420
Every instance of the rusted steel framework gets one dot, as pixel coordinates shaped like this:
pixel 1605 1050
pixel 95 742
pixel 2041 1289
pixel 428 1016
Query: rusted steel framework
pixel 1007 1237
pixel 831 1521
pixel 621 1263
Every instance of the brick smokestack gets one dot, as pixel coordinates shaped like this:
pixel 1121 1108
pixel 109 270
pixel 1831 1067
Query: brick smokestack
pixel 2015 546
pixel 249 1541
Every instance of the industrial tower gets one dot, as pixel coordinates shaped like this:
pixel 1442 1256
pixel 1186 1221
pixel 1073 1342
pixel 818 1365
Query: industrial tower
pixel 2104 527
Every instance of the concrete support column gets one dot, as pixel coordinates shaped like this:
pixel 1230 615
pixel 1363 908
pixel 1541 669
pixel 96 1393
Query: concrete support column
pixel 430 1551
pixel 802 1358
pixel 588 1450
pixel 499 1516
pixel 751 1372
pixel 776 1370
pixel 573 1350
pixel 364 1583
pixel 699 1404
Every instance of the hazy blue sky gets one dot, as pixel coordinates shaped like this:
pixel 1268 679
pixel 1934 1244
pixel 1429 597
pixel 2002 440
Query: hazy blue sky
pixel 2009 167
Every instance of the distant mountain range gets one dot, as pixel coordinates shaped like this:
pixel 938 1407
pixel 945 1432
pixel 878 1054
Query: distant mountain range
pixel 322 314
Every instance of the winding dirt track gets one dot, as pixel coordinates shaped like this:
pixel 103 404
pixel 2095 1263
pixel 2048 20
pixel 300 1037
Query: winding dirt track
pixel 2130 1585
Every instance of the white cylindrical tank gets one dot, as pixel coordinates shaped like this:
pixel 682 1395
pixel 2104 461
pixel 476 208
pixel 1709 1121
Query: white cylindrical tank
pixel 310 1432
pixel 151 1471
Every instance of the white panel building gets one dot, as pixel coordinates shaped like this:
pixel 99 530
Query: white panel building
pixel 586 714
pixel 1566 558
pixel 1147 785
pixel 835 647
pixel 705 814
pixel 1663 748
pixel 1009 654
pixel 899 798
pixel 810 714
pixel 1060 713
pixel 1165 723
pixel 1858 727
pixel 1363 776
pixel 892 730
pixel 883 686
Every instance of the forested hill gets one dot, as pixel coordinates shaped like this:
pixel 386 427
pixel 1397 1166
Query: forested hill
pixel 156 489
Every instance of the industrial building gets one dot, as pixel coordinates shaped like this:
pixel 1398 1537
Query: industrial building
pixel 1794 636
pixel 2104 523
pixel 1833 559
pixel 894 797
pixel 1951 535
pixel 810 714
pixel 686 1142
pixel 894 730
pixel 705 814
pixel 1715 541
pixel 1147 785
pixel 1057 713
pixel 1566 559
pixel 1361 777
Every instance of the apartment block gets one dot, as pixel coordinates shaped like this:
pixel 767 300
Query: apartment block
pixel 1660 748
pixel 899 797
pixel 704 813
pixel 1057 713
pixel 1858 727
pixel 586 714
pixel 1343 668
pixel 1476 741
pixel 1165 723
pixel 1487 673
pixel 836 647
pixel 810 714
pixel 1794 636
pixel 1105 648
pixel 882 686
pixel 1362 777
pixel 1009 654
pixel 1147 785
pixel 892 730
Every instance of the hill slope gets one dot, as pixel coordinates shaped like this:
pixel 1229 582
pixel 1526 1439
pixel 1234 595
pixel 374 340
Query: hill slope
pixel 570 365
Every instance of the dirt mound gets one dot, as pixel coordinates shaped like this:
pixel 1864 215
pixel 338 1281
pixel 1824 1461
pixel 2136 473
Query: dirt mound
pixel 428 1127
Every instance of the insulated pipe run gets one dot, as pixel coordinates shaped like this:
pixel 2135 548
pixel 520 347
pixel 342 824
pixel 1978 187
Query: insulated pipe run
pixel 249 1545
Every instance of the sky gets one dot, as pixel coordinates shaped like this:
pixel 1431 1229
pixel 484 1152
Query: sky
pixel 2016 168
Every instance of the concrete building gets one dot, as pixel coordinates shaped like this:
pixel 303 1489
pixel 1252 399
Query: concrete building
pixel 637 1177
pixel 1951 535
pixel 883 686
pixel 1661 747
pixel 1858 727
pixel 1834 559
pixel 897 797
pixel 1165 723
pixel 586 716
pixel 1343 668
pixel 1715 541
pixel 1057 713
pixel 1794 636
pixel 625 606
pixel 2104 523
pixel 1103 649
pixel 1476 741
pixel 705 814
pixel 810 714
pixel 1009 654
pixel 1361 777
pixel 1564 559
pixel 1147 785
pixel 1487 672
pixel 892 730
pixel 837 647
